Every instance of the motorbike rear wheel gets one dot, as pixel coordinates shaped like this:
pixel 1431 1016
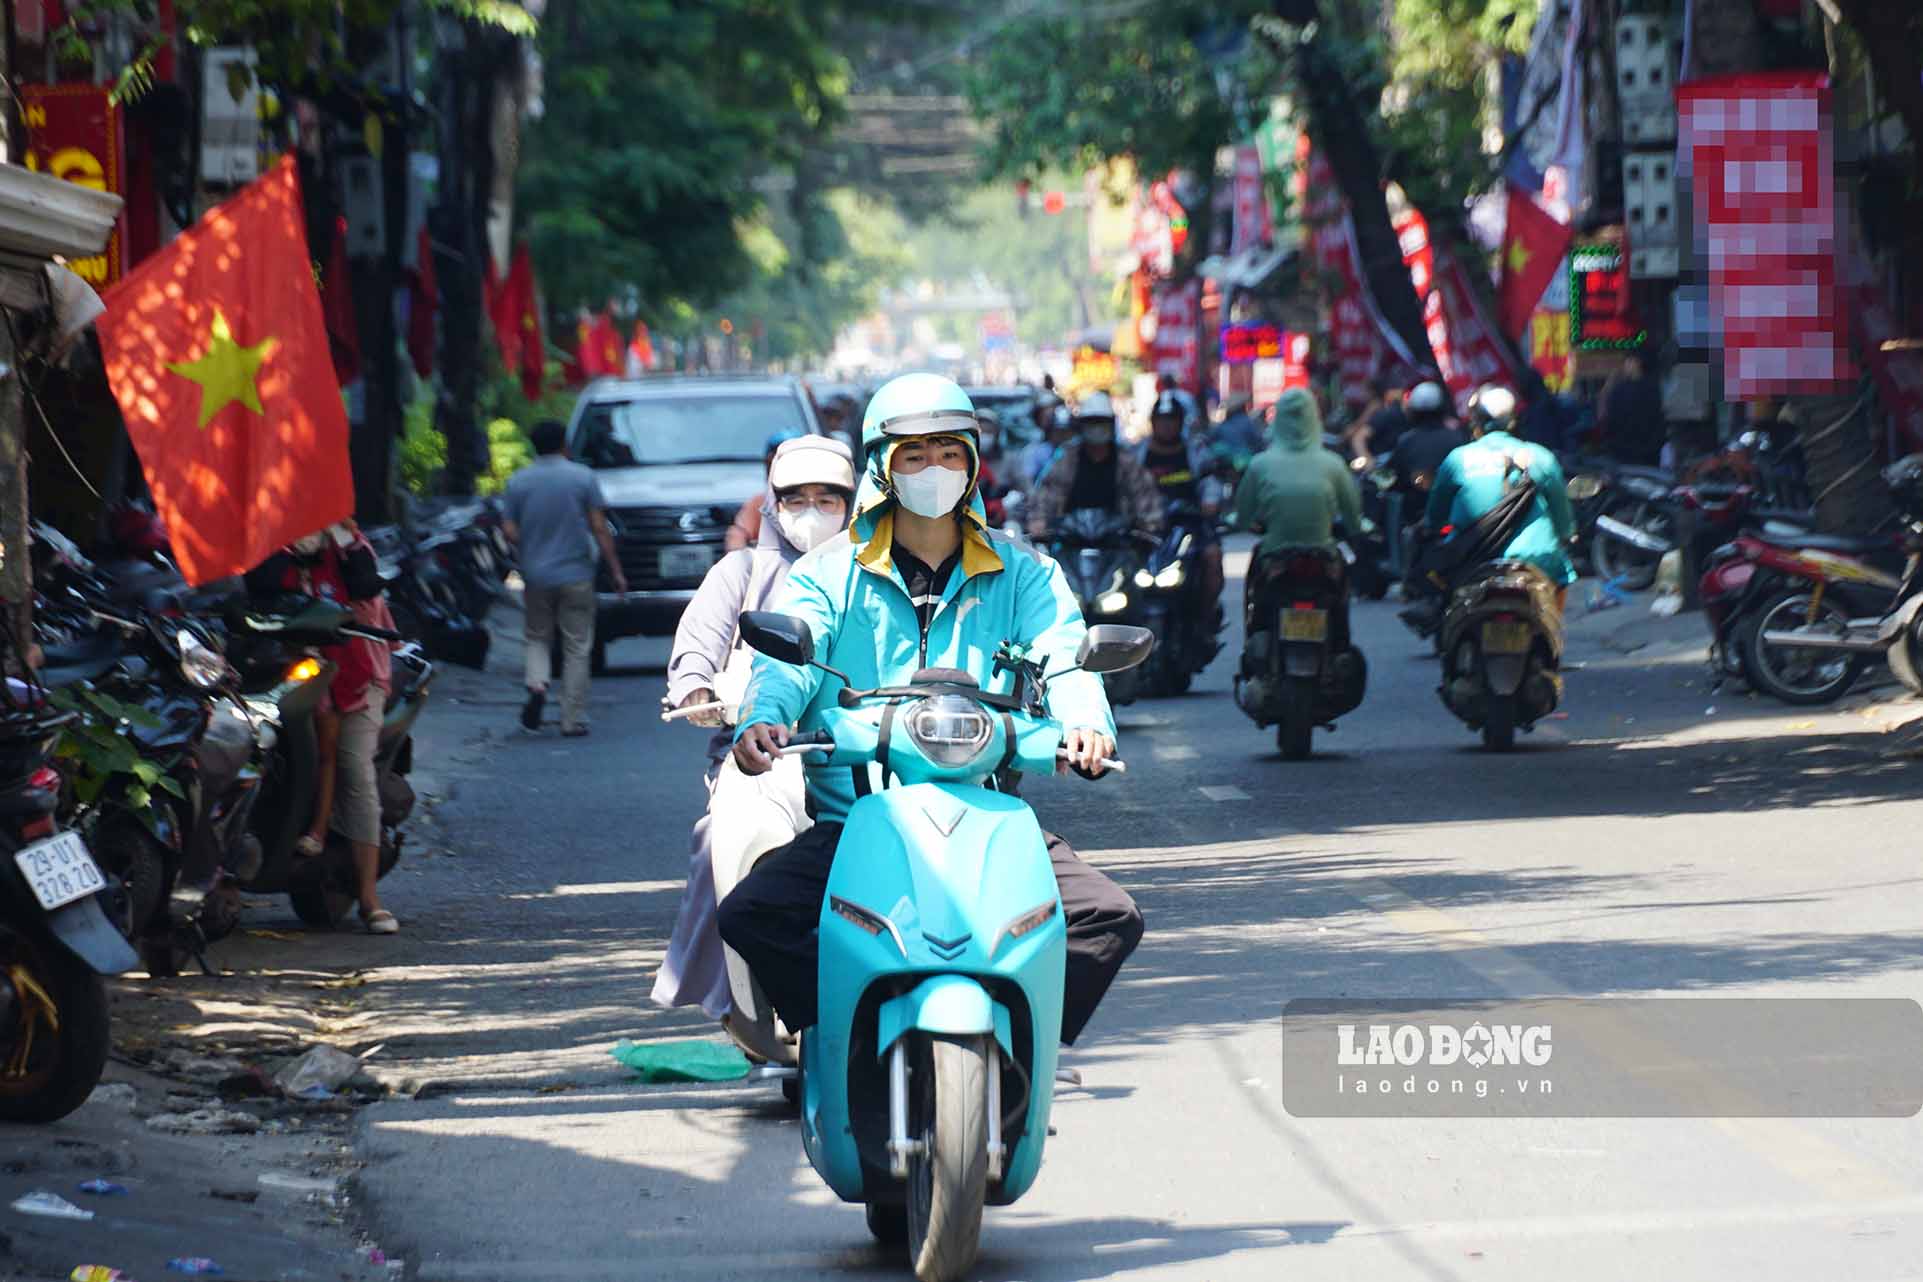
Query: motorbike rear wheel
pixel 1295 732
pixel 1797 675
pixel 1499 722
pixel 128 851
pixel 948 1179
pixel 317 901
pixel 58 1067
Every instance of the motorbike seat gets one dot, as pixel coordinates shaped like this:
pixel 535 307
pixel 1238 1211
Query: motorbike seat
pixel 87 659
pixel 1847 543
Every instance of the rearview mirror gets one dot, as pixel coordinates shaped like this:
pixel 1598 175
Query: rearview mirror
pixel 1114 647
pixel 779 636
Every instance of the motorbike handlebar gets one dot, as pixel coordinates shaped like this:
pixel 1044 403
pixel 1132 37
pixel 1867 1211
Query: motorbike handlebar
pixel 1115 764
pixel 370 633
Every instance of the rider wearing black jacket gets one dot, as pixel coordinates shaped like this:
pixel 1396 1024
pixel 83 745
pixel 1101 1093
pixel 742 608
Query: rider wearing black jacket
pixel 1428 440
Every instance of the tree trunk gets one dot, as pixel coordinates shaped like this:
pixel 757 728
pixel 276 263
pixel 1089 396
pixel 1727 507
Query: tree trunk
pixel 16 567
pixel 1893 36
pixel 467 79
pixel 1340 127
pixel 1838 434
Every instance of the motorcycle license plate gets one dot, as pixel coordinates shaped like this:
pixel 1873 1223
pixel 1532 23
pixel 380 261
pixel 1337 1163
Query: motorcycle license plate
pixel 1305 625
pixel 1502 637
pixel 686 563
pixel 59 870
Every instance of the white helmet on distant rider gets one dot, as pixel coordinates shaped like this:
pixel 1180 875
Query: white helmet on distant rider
pixel 1427 400
pixel 1493 408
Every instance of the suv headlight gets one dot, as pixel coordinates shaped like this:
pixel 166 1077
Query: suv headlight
pixel 951 730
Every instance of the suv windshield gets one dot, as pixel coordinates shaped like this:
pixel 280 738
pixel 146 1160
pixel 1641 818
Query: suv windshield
pixel 688 429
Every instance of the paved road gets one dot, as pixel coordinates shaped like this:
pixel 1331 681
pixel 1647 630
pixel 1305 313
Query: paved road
pixel 1640 846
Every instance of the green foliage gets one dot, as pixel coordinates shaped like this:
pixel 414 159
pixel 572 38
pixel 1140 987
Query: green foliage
pixel 296 42
pixel 1453 42
pixel 422 452
pixel 101 756
pixel 661 115
pixel 508 451
pixel 1070 89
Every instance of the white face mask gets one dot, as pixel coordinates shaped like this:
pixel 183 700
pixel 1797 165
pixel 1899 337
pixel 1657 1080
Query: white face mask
pixel 809 529
pixel 932 492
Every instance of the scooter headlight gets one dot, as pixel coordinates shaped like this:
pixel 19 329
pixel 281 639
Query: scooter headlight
pixel 1583 487
pixel 202 665
pixel 1111 603
pixel 1143 579
pixel 949 729
pixel 1171 577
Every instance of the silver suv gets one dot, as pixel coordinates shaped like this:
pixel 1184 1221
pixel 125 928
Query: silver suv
pixel 676 456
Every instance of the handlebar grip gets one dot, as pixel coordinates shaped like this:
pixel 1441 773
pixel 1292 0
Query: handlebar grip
pixel 1114 764
pixel 370 633
pixel 811 739
pixel 796 748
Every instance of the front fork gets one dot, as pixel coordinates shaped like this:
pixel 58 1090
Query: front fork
pixel 902 1147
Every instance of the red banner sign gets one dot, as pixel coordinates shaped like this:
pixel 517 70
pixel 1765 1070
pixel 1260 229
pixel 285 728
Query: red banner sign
pixel 1759 158
pixel 73 133
pixel 1253 225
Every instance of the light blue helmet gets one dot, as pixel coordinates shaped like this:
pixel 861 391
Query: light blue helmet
pixel 917 405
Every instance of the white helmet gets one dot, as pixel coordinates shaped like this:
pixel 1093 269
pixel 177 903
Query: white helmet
pixel 1494 403
pixel 812 460
pixel 1427 398
pixel 1095 405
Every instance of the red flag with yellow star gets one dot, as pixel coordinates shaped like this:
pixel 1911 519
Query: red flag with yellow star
pixel 218 353
pixel 1533 245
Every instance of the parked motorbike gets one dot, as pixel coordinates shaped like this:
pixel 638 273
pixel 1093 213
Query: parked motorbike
pixel 1774 580
pixel 56 937
pixel 284 684
pixel 926 1084
pixel 1168 597
pixel 1502 642
pixel 1101 556
pixel 1299 669
pixel 1897 632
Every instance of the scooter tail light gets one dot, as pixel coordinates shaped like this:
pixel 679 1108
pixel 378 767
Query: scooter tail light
pixel 45 779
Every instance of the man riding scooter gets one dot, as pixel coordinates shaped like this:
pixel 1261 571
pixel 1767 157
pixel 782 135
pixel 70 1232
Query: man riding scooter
pixel 1091 472
pixel 811 487
pixel 1473 480
pixel 1181 471
pixel 919 583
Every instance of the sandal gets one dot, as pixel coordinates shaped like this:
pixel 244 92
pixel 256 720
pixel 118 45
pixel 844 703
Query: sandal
pixel 309 846
pixel 381 922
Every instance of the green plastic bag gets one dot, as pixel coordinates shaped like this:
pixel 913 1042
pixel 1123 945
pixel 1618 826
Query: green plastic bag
pixel 683 1061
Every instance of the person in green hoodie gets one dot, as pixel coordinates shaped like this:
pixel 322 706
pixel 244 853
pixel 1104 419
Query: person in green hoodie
pixel 1294 490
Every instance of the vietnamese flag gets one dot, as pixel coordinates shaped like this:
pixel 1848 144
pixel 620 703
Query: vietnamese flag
pixel 218 354
pixel 1533 244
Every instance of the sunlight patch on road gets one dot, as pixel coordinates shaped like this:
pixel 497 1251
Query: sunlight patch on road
pixel 603 888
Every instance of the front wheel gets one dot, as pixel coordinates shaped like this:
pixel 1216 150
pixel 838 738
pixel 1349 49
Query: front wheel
pixel 317 901
pixel 1802 675
pixel 1499 722
pixel 948 1179
pixel 54 1045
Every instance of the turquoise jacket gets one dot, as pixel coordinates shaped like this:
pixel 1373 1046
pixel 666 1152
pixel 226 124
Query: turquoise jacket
pixel 857 606
pixel 1470 482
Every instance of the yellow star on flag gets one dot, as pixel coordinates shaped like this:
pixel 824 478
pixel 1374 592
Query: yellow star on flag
pixel 226 371
pixel 1518 258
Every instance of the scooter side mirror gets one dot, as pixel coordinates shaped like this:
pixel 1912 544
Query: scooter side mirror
pixel 1114 647
pixel 779 636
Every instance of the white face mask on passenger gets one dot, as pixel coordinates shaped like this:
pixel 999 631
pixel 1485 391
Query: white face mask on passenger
pixel 808 529
pixel 934 491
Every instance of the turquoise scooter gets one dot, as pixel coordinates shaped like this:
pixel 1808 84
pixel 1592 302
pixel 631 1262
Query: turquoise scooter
pixel 927 1082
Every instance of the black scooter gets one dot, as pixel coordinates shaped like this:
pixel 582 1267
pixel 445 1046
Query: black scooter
pixel 1502 642
pixel 285 685
pixel 1101 557
pixel 56 937
pixel 1299 667
pixel 1168 595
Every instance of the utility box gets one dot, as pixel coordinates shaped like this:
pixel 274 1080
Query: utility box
pixel 1648 50
pixel 1649 211
pixel 363 206
pixel 230 124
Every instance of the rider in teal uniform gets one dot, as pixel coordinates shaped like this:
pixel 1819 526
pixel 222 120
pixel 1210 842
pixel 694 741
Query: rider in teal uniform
pixel 1472 480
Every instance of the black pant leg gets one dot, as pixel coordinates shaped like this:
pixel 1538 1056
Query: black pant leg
pixel 1104 925
pixel 771 918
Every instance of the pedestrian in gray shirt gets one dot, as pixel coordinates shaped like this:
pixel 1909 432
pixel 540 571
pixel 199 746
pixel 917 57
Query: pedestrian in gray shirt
pixel 557 519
